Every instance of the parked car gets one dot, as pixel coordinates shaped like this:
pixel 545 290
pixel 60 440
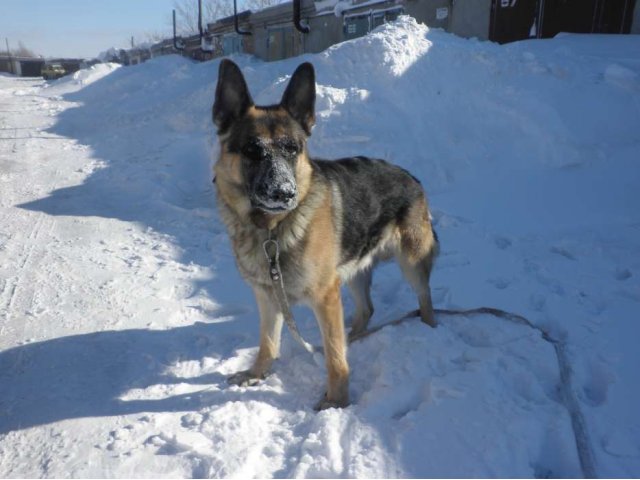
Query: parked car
pixel 52 71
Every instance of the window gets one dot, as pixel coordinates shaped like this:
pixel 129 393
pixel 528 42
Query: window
pixel 231 44
pixel 358 25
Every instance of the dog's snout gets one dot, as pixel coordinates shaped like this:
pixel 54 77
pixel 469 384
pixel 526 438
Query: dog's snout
pixel 283 193
pixel 274 187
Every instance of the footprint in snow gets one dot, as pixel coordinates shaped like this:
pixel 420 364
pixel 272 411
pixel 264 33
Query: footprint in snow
pixel 623 274
pixel 596 387
pixel 502 242
pixel 563 252
pixel 537 302
pixel 191 420
pixel 500 283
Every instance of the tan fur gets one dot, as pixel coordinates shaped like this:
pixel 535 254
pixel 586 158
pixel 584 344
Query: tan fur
pixel 230 184
pixel 418 251
pixel 271 319
pixel 321 254
pixel 327 307
pixel 321 257
pixel 416 232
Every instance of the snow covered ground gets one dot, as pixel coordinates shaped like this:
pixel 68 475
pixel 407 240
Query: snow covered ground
pixel 121 311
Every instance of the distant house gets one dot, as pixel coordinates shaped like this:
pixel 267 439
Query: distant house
pixel 226 40
pixel 6 66
pixel 138 54
pixel 359 17
pixel 511 20
pixel 32 67
pixel 497 20
pixel 193 48
pixel 275 36
pixel 21 66
pixel 165 47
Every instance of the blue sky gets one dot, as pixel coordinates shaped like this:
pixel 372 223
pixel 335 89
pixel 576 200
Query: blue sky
pixel 81 28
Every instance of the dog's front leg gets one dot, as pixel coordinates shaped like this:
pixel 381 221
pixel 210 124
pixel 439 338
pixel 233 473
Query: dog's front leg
pixel 328 310
pixel 271 318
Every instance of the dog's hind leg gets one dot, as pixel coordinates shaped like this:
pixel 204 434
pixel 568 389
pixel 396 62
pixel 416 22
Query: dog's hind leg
pixel 271 319
pixel 360 287
pixel 418 249
pixel 417 274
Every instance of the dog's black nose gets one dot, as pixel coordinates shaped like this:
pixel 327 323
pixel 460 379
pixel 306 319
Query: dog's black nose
pixel 282 194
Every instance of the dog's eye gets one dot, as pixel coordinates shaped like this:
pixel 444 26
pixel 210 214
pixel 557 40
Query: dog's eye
pixel 289 147
pixel 252 150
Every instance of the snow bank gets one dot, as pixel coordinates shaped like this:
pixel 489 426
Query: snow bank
pixel 529 154
pixel 94 73
pixel 81 78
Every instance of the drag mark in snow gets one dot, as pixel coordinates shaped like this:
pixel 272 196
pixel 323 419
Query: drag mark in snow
pixel 578 423
pixel 583 443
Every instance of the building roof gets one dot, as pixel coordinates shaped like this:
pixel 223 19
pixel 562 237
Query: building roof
pixel 242 16
pixel 4 56
pixel 283 11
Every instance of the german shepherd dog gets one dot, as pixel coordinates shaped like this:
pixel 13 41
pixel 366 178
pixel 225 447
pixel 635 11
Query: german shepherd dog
pixel 333 220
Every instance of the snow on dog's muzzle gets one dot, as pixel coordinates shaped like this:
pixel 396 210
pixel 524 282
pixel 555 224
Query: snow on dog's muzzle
pixel 274 188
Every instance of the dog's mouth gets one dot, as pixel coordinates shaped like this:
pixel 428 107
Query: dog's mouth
pixel 271 206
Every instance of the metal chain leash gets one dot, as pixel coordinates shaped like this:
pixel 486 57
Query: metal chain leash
pixel 271 249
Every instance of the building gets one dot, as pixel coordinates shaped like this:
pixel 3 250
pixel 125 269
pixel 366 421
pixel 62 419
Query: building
pixel 228 39
pixel 197 47
pixel 21 66
pixel 511 20
pixel 165 47
pixel 276 33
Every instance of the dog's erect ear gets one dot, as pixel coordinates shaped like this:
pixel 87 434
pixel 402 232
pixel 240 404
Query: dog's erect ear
pixel 300 96
pixel 232 96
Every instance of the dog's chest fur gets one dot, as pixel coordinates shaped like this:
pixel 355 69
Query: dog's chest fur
pixel 247 241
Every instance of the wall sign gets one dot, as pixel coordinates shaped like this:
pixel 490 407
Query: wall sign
pixel 442 13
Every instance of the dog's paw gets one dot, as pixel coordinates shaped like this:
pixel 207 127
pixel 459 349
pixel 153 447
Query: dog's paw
pixel 429 319
pixel 244 379
pixel 325 403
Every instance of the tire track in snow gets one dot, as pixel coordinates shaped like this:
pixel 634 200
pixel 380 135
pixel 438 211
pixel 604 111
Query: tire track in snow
pixel 13 286
pixel 13 291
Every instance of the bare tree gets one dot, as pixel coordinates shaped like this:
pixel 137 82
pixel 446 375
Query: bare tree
pixel 187 13
pixel 257 5
pixel 23 51
pixel 212 10
pixel 155 36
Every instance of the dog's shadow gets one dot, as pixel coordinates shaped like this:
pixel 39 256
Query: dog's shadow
pixel 113 373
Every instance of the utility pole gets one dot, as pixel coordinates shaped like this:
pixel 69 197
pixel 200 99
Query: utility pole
pixel 9 55
pixel 132 42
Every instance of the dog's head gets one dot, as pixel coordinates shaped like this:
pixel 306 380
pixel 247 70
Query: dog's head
pixel 264 147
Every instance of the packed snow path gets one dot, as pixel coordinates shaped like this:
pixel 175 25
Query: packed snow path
pixel 122 313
